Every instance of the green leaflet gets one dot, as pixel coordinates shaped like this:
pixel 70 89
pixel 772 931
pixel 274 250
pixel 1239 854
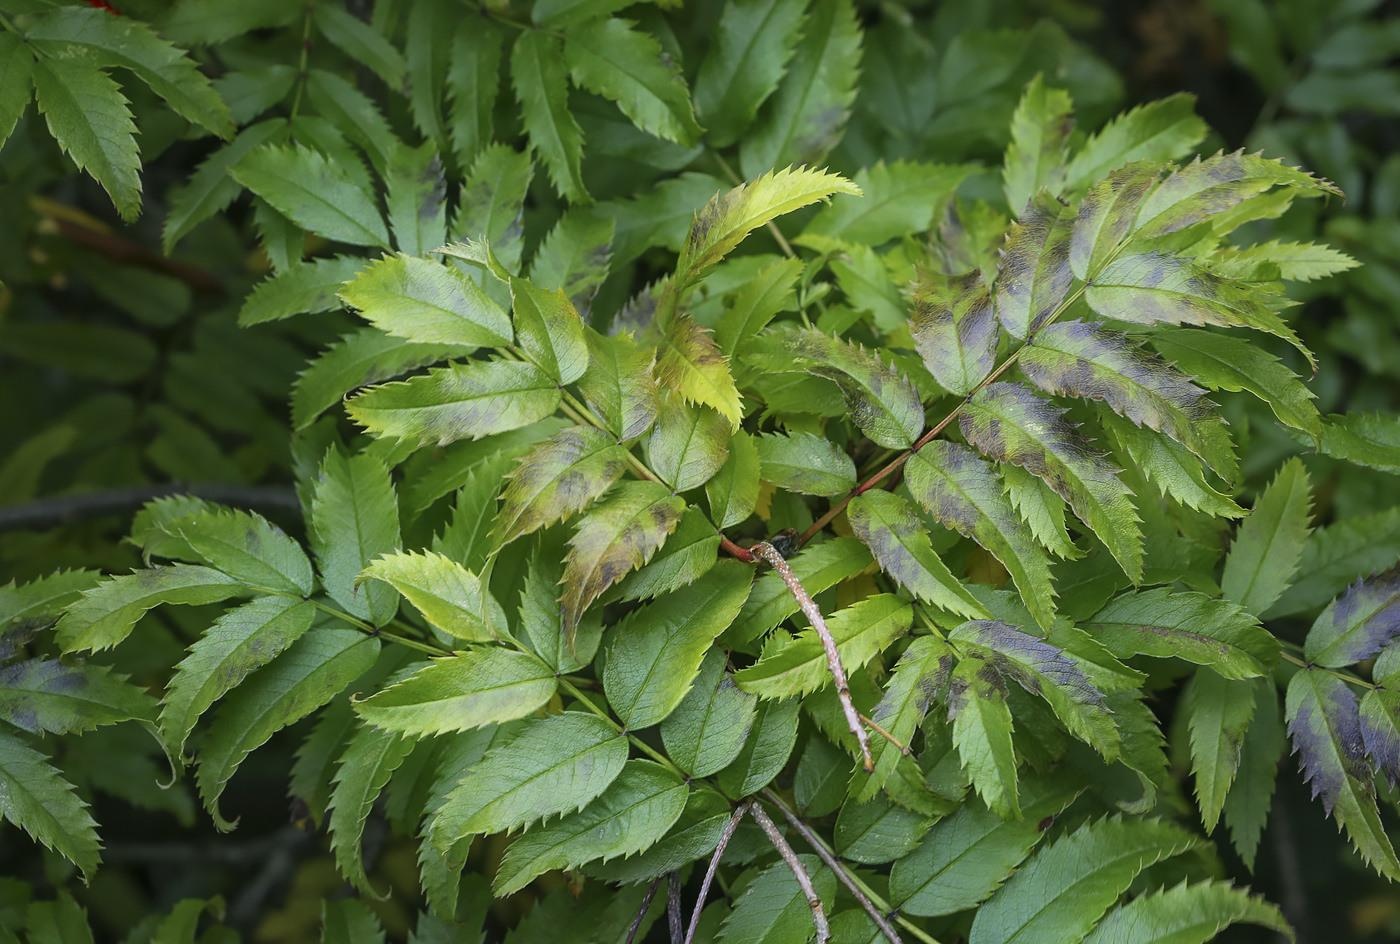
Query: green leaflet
pixel 1302 262
pixel 734 489
pixel 89 118
pixel 609 58
pixel 819 783
pixel 817 566
pixel 39 801
pixel 355 115
pixel 249 548
pixel 1248 802
pixel 365 357
pixel 362 44
pixel 652 656
pixel 354 519
pixel 688 445
pixel 1327 734
pixel 492 199
pixel 574 257
pixel 765 752
pixel 552 765
pixel 1075 879
pixel 708 728
pixel 314 192
pixel 44 695
pixel 1034 276
pixel 449 596
pixel 1219 712
pixel 961 491
pixel 1333 557
pixel 473 84
pixel 427 47
pixel 687 554
pixel 692 367
pixel 107 612
pixel 1009 423
pixel 1188 626
pixel 210 189
pixel 16 83
pixel 774 909
pixel 762 297
pixel 982 734
pixel 470 689
pixel 427 302
pixel 42 596
pixel 1227 363
pixel 304 287
pixel 1163 130
pixel 806 117
pixel 1160 288
pixel 1041 508
pixel 694 834
pixel 861 631
pixel 542 622
pixel 878 830
pixel 883 404
pixel 729 217
pixel 1035 159
pixel 349 921
pixel 805 463
pixel 240 641
pixel 369 760
pixel 966 856
pixel 537 70
pixel 1173 468
pixel 617 536
pixel 1106 216
pixel 918 679
pixel 308 674
pixel 557 479
pixel 900 199
pixel 1188 914
pixel 463 401
pixel 550 331
pixel 955 329
pixel 1369 439
pixel 752 43
pixel 633 812
pixel 619 385
pixel 1269 542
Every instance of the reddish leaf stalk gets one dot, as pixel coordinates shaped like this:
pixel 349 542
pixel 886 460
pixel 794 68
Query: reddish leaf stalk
pixel 799 872
pixel 833 658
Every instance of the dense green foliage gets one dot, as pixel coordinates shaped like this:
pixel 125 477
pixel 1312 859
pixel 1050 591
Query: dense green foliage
pixel 574 450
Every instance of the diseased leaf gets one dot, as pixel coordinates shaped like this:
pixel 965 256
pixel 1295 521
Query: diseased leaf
pixel 416 198
pixel 354 518
pixel 1036 157
pixel 1035 275
pixel 807 115
pixel 1358 624
pixel 1325 725
pixel 463 401
pixel 1074 880
pixel 308 674
pixel 314 192
pixel 617 536
pixel 752 43
pixel 688 445
pixel 961 491
pixel 817 567
pixel 44 695
pixel 900 199
pixel 1106 217
pixel 240 641
pixel 304 287
pixel 686 555
pixel 861 632
pixel 955 329
pixel 1188 626
pixel 1267 546
pixel 448 595
pixel 537 69
pixel 1380 731
pixel 471 689
pixel 982 733
pixel 1041 508
pixel 653 654
pixel 805 463
pixel 1186 914
pixel 492 200
pixel 633 812
pixel 1045 670
pixel 609 58
pixel 552 765
pixel 692 367
pixel 426 302
pixel 618 384
pixel 734 489
pixel 1009 423
pixel 731 216
pixel 107 612
pixel 557 479
pixel 1219 712
pixel 550 331
pixel 918 679
pixel 89 118
pixel 708 728
pixel 1163 130
pixel 883 404
pixel 369 760
pixel 39 801
pixel 42 596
